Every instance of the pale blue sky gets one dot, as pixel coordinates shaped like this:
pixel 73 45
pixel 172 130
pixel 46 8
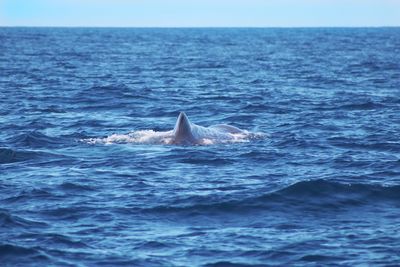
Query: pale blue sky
pixel 200 13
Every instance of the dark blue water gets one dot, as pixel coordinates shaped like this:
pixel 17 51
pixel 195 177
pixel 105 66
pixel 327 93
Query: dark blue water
pixel 322 188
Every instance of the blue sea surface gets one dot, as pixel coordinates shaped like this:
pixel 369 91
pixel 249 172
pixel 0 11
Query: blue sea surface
pixel 322 188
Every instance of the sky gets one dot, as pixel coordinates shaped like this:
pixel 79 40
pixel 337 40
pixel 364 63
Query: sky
pixel 200 13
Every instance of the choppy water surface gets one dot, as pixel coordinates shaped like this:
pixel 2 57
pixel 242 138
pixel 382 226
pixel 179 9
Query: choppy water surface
pixel 323 187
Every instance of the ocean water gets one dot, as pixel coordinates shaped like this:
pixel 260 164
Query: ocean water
pixel 321 188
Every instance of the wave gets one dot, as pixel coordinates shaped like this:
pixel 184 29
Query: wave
pixel 15 251
pixel 9 221
pixel 35 139
pixel 301 195
pixel 13 255
pixel 369 105
pixel 335 190
pixel 362 105
pixel 50 239
pixel 368 143
pixel 7 155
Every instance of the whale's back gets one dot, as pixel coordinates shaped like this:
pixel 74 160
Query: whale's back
pixel 184 133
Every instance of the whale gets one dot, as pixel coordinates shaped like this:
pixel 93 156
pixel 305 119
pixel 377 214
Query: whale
pixel 184 133
pixel 187 133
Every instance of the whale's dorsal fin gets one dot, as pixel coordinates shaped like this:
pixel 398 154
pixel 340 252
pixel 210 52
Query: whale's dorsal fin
pixel 183 129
